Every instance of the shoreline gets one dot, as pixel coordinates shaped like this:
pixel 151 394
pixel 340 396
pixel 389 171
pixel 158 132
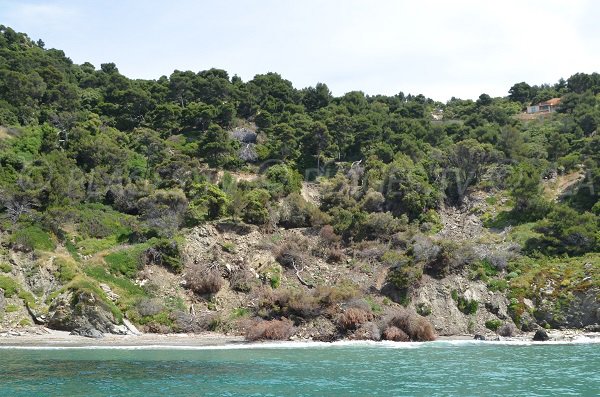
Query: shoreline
pixel 46 338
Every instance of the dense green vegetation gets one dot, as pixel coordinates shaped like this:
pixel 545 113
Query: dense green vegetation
pixel 102 164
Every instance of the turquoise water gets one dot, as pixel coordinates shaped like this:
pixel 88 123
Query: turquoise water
pixel 432 369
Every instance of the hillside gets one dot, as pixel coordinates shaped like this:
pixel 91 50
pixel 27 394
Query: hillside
pixel 199 202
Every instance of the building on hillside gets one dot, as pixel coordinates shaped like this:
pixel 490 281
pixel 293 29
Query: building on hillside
pixel 548 106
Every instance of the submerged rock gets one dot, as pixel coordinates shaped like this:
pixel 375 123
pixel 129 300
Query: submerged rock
pixel 541 335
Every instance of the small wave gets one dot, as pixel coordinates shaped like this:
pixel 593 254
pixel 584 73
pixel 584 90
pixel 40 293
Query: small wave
pixel 312 345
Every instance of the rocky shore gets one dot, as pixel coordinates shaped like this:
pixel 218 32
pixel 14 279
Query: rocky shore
pixel 43 337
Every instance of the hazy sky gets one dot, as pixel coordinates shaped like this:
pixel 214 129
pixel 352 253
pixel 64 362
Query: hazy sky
pixel 438 48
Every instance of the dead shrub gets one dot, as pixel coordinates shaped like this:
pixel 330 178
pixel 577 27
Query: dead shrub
pixel 270 330
pixel 416 327
pixel 395 334
pixel 328 235
pixel 342 292
pixel 292 252
pixel 241 279
pixel 507 330
pixel 335 254
pixel 352 317
pixel 203 281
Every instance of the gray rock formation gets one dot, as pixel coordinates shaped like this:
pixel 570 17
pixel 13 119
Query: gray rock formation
pixel 82 310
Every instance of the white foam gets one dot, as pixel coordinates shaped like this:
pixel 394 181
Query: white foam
pixel 311 345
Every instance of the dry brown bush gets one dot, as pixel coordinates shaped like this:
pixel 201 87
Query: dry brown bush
pixel 203 281
pixel 353 317
pixel 395 334
pixel 241 279
pixel 270 330
pixel 335 254
pixel 415 326
pixel 328 235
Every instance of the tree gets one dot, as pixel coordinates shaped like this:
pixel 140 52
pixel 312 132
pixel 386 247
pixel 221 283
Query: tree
pixel 520 92
pixel 217 148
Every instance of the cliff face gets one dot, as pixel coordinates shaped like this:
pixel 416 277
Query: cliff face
pixel 234 276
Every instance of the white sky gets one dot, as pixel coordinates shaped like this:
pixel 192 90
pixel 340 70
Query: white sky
pixel 438 48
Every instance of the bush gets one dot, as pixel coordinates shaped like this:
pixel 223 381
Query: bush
pixel 5 267
pixel 352 317
pixel 297 212
pixel 493 324
pixel 164 253
pixel 283 180
pixel 203 281
pixel 241 279
pixel 127 261
pixel 328 235
pixel 466 306
pixel 395 334
pixel 416 327
pixel 270 330
pixel 32 238
pixel 67 270
pixel 9 286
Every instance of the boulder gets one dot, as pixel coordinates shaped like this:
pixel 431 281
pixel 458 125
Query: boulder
pixel 541 335
pixel 80 310
pixel 479 337
pixel 88 332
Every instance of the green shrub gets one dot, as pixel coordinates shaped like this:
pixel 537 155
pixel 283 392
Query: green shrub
pixel 127 261
pixel 5 267
pixel 283 180
pixel 497 284
pixel 467 306
pixel 91 246
pixel 9 286
pixel 32 238
pixel 67 270
pixel 11 308
pixel 493 324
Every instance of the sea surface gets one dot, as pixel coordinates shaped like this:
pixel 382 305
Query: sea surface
pixel 342 369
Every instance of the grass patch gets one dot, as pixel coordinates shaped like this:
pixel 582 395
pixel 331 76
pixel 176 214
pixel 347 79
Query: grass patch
pixel 67 270
pixel 91 246
pixel 124 287
pixel 11 308
pixel 5 267
pixel 32 238
pixel 10 286
pixel 127 261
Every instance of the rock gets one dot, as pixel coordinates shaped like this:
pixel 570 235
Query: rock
pixel 132 328
pixel 541 335
pixel 88 332
pixel 528 323
pixel 479 337
pixel 592 328
pixel 2 300
pixel 70 311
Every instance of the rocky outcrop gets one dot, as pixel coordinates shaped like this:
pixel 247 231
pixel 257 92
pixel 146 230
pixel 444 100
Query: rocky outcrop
pixel 434 299
pixel 2 300
pixel 81 312
pixel 582 310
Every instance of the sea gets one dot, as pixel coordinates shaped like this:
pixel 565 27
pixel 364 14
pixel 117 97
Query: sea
pixel 441 368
